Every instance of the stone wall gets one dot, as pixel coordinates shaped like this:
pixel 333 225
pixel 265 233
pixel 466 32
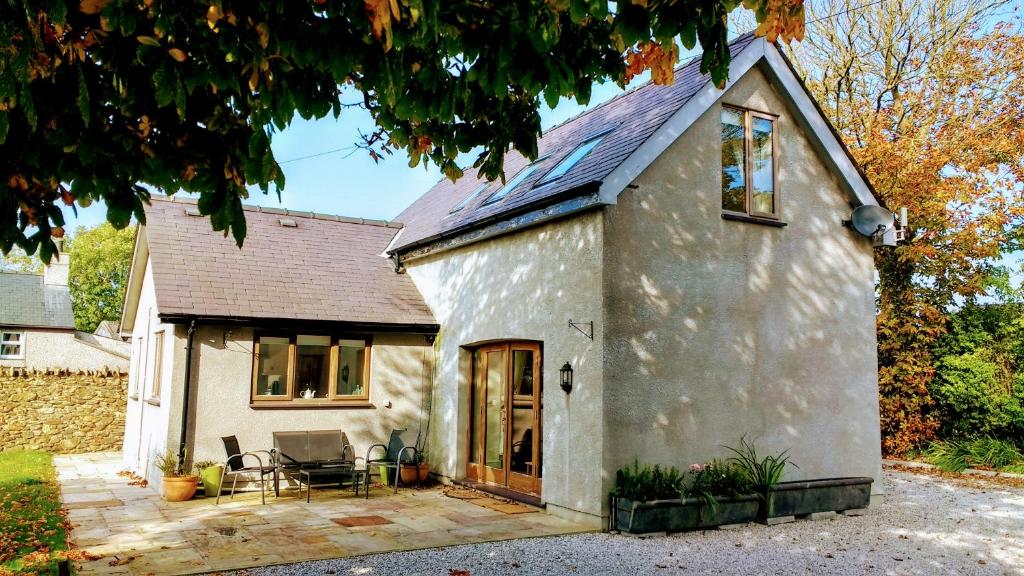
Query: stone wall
pixel 62 412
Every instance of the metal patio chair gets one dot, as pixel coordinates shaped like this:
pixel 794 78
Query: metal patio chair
pixel 235 466
pixel 400 449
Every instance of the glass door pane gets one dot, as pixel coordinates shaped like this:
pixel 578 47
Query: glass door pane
pixel 494 415
pixel 522 413
pixel 476 408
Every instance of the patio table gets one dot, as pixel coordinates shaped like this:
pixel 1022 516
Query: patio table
pixel 341 472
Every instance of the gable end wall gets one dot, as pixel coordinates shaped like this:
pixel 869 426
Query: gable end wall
pixel 719 328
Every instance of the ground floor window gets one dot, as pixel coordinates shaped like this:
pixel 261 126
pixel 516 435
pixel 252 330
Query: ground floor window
pixel 310 367
pixel 12 345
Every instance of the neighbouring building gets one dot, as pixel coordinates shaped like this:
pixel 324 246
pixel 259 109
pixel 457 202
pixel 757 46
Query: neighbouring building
pixel 677 254
pixel 37 326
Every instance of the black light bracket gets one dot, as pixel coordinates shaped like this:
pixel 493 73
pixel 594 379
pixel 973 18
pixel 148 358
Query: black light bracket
pixel 579 326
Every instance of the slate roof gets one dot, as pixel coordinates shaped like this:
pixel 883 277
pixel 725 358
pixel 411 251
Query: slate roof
pixel 25 301
pixel 326 268
pixel 628 120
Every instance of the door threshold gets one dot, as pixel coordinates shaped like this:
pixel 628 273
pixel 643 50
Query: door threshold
pixel 530 499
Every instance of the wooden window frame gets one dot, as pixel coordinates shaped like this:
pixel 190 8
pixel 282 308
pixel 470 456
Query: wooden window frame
pixel 288 400
pixel 748 213
pixel 21 344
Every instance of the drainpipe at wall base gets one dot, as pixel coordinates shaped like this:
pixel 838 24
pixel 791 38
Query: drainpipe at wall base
pixel 185 403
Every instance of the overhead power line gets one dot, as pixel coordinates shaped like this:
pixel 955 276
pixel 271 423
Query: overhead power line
pixel 351 149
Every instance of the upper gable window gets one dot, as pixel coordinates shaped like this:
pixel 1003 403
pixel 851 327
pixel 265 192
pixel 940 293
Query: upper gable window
pixel 571 160
pixel 512 184
pixel 469 198
pixel 748 163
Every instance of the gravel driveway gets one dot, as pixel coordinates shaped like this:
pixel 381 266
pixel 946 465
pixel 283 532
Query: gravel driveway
pixel 926 525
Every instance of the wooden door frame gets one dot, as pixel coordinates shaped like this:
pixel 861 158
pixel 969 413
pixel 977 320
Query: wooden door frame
pixel 478 470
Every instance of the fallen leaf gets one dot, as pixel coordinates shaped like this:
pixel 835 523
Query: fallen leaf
pixel 121 561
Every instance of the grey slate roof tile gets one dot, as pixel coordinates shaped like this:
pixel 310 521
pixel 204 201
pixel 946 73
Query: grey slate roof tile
pixel 631 117
pixel 25 301
pixel 323 269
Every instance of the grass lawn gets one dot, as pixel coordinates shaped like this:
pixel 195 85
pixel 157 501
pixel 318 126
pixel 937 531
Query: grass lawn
pixel 32 526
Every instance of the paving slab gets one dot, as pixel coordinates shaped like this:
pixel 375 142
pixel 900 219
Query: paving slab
pixel 111 518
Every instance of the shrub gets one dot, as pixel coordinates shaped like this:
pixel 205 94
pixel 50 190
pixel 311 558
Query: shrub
pixel 718 479
pixel 959 455
pixel 646 483
pixel 971 403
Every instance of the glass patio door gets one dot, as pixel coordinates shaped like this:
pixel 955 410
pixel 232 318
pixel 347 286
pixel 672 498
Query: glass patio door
pixel 505 416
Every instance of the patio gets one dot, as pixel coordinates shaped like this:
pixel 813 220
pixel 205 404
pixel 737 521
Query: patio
pixel 136 532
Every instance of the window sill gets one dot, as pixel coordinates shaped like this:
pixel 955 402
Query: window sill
pixel 310 404
pixel 153 401
pixel 754 220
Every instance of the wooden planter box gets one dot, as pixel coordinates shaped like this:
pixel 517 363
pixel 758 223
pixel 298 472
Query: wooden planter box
pixel 685 514
pixel 810 496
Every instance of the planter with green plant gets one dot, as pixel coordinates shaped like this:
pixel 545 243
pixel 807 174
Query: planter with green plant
pixel 656 499
pixel 210 473
pixel 422 466
pixel 177 485
pixel 801 498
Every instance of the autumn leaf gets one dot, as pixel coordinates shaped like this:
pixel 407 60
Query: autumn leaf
pixel 380 13
pixel 178 54
pixel 148 41
pixel 213 15
pixel 92 7
pixel 264 34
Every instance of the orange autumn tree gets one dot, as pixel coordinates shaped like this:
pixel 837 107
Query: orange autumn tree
pixel 931 102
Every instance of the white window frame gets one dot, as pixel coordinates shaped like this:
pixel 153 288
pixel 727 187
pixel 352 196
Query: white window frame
pixel 156 374
pixel 20 344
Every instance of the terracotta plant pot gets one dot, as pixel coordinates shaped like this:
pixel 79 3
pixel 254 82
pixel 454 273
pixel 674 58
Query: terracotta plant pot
pixel 180 488
pixel 409 474
pixel 423 472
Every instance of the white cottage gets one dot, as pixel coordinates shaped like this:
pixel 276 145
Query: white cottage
pixel 678 253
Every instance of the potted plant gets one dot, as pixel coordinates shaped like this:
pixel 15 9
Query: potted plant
pixel 210 474
pixel 422 467
pixel 409 472
pixel 177 485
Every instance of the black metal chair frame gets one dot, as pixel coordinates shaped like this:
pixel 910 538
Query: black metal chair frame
pixel 390 460
pixel 241 468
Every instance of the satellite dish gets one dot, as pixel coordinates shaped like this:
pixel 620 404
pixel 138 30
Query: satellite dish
pixel 872 221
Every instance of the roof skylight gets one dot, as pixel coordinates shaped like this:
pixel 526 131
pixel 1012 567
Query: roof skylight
pixel 469 198
pixel 512 184
pixel 571 160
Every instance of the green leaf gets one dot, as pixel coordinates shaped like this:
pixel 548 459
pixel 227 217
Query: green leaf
pixel 83 97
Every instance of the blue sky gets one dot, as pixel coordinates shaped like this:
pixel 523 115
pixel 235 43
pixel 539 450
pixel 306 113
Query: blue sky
pixel 349 184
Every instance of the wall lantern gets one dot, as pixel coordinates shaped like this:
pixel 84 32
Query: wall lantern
pixel 566 373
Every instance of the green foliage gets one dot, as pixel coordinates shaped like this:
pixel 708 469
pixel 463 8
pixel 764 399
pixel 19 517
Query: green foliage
pixel 646 483
pixel 978 388
pixel 168 464
pixel 109 99
pixel 959 455
pixel 18 261
pixel 31 518
pixel 717 479
pixel 198 467
pixel 100 261
pixel 762 473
